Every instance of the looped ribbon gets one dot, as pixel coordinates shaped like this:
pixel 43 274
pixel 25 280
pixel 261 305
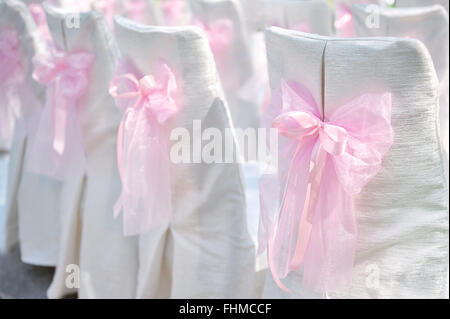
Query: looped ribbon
pixel 172 10
pixel 142 151
pixel 59 134
pixel 11 74
pixel 344 21
pixel 219 34
pixel 135 10
pixel 107 8
pixel 323 165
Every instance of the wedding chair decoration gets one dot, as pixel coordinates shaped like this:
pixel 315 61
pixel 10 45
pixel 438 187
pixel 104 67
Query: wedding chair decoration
pixel 348 204
pixel 197 232
pixel 429 25
pixel 222 23
pixel 83 194
pixel 20 105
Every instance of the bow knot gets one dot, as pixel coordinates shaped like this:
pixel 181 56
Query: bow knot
pixel 146 85
pixel 301 125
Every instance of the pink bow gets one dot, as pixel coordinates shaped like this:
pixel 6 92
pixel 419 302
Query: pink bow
pixel 344 21
pixel 219 34
pixel 172 10
pixel 324 163
pixel 142 151
pixel 135 10
pixel 11 74
pixel 59 133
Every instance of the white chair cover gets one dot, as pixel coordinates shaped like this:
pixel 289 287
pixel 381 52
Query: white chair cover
pixel 15 15
pixel 207 241
pixel 402 249
pixel 430 25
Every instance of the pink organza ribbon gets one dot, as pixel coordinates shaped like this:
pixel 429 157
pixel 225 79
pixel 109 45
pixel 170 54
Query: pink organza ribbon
pixel 323 164
pixel 344 21
pixel 142 150
pixel 58 141
pixel 219 34
pixel 11 74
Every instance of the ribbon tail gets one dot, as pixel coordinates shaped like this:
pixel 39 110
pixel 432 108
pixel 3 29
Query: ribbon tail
pixel 306 220
pixel 288 215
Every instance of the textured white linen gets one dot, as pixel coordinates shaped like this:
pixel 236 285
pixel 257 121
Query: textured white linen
pixel 206 252
pixel 402 249
pixel 14 14
pixel 430 25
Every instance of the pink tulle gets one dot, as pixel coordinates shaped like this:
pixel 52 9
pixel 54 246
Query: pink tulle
pixel 58 141
pixel 323 164
pixel 142 151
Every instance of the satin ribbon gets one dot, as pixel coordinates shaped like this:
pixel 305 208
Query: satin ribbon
pixel 219 34
pixel 344 21
pixel 58 140
pixel 324 163
pixel 11 75
pixel 142 152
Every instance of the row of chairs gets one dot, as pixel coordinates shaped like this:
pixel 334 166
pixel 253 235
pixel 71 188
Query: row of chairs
pixel 208 249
